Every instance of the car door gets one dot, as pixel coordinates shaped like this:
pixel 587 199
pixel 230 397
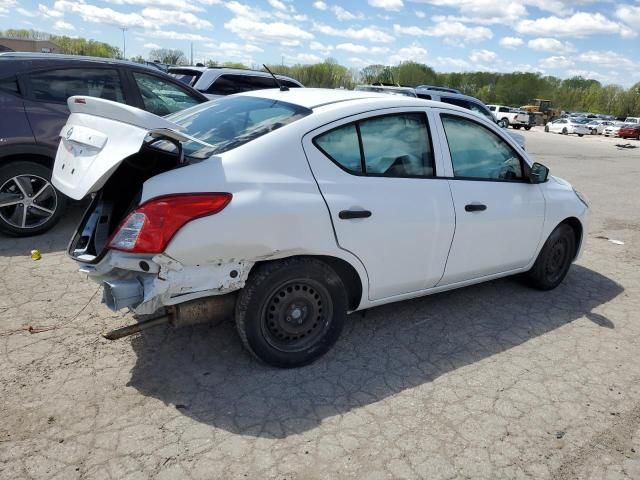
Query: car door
pixel 377 174
pixel 499 214
pixel 48 91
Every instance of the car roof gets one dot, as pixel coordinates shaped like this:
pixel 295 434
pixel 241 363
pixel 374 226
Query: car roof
pixel 186 68
pixel 210 74
pixel 26 60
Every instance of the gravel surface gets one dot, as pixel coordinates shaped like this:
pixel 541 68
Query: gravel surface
pixel 488 382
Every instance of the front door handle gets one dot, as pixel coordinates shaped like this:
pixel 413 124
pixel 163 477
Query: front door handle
pixel 475 207
pixel 349 214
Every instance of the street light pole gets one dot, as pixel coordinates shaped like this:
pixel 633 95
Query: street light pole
pixel 124 42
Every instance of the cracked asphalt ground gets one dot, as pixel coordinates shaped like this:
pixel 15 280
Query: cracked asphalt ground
pixel 492 381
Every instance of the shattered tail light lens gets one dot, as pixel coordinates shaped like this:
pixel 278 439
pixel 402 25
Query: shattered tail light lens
pixel 151 226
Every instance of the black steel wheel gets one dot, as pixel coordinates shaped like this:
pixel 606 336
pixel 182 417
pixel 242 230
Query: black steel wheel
pixel 554 260
pixel 29 204
pixel 291 311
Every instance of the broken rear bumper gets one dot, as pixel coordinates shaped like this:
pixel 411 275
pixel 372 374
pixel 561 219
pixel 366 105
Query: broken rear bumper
pixel 146 284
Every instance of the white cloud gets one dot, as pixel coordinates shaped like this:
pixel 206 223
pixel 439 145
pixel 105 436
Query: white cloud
pixel 629 15
pixel 274 32
pixel 420 14
pixel 151 45
pixel 454 30
pixel 320 5
pixel 278 5
pixel 26 13
pixel 580 24
pixel 481 11
pixel 453 63
pixel 242 10
pixel 62 25
pixel 5 5
pixel 559 61
pixel 483 56
pixel 186 19
pixel 392 5
pixel 307 58
pixel 179 5
pixel 371 34
pixel 551 45
pixel 171 35
pixel 361 62
pixel 49 12
pixel 350 47
pixel 511 42
pixel 608 59
pixel 321 48
pixel 231 51
pixel 414 53
pixel 342 14
pixel 94 14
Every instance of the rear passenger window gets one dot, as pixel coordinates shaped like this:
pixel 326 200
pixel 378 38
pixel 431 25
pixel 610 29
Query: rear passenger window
pixel 391 145
pixel 230 84
pixel 59 85
pixel 10 85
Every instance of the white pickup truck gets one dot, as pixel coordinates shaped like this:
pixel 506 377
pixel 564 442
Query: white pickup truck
pixel 508 116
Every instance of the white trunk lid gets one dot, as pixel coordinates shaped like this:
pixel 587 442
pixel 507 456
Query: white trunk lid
pixel 98 136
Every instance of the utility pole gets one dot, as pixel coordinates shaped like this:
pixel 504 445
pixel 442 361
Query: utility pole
pixel 283 60
pixel 191 53
pixel 124 42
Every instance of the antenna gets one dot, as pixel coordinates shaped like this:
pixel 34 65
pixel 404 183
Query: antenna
pixel 283 88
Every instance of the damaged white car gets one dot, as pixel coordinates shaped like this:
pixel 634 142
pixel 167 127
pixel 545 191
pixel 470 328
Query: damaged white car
pixel 290 209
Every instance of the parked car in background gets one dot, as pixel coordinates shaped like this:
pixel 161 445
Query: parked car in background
pixel 630 130
pixel 613 129
pixel 598 126
pixel 290 245
pixel 569 125
pixel 632 120
pixel 33 100
pixel 219 81
pixel 508 116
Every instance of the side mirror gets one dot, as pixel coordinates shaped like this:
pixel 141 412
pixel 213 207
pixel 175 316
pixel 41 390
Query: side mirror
pixel 538 173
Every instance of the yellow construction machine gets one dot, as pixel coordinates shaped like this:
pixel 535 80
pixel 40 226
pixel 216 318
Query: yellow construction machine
pixel 542 111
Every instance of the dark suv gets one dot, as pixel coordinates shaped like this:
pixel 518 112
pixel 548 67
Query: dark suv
pixel 33 103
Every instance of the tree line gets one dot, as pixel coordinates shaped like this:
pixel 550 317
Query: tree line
pixel 513 89
pixel 68 45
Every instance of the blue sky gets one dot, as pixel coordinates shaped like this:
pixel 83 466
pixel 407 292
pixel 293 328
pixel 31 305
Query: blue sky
pixel 596 39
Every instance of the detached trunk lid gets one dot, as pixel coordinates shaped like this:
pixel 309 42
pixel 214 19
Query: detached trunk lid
pixel 98 136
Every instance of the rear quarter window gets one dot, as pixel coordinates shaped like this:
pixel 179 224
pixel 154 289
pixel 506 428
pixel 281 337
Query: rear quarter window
pixel 10 85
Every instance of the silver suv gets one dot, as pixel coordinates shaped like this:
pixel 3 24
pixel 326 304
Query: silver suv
pixel 215 82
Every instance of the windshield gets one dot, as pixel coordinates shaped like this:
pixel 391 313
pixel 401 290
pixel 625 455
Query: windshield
pixel 229 122
pixel 580 121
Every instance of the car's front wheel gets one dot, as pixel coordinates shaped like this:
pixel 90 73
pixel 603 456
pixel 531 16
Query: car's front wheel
pixel 565 131
pixel 581 134
pixel 29 204
pixel 546 128
pixel 554 259
pixel 527 128
pixel 291 311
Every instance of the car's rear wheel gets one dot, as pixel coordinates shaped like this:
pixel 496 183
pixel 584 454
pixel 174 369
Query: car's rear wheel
pixel 581 134
pixel 291 312
pixel 546 128
pixel 29 204
pixel 528 127
pixel 554 259
pixel 504 122
pixel 565 131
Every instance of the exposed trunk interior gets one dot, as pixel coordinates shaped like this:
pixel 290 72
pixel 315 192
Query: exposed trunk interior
pixel 119 196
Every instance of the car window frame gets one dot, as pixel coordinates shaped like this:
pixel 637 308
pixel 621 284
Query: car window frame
pixel 524 165
pixel 24 80
pixel 364 173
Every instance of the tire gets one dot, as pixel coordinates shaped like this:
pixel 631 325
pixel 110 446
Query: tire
pixel 565 132
pixel 581 134
pixel 546 128
pixel 527 128
pixel 554 259
pixel 504 122
pixel 22 180
pixel 291 312
pixel 517 127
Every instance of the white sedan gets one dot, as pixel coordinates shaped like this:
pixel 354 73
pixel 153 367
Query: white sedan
pixel 291 209
pixel 568 126
pixel 613 130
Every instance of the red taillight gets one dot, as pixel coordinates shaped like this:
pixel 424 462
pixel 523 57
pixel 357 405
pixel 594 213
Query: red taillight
pixel 151 226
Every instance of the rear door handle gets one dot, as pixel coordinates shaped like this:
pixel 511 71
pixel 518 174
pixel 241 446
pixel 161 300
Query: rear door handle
pixel 349 214
pixel 475 207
